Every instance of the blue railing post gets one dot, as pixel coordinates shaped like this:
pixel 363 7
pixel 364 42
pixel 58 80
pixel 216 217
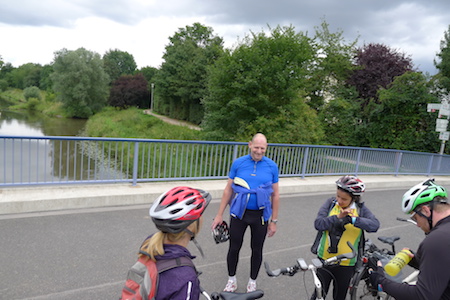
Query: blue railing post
pixel 430 165
pixel 358 159
pixel 398 163
pixel 135 163
pixel 305 162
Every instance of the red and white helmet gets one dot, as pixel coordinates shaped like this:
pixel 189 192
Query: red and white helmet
pixel 177 208
pixel 351 184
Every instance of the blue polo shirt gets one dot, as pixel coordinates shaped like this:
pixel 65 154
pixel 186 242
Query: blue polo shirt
pixel 255 173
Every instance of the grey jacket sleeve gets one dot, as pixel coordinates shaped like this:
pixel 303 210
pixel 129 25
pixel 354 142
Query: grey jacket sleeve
pixel 323 221
pixel 367 220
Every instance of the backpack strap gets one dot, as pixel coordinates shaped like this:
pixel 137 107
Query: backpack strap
pixel 167 264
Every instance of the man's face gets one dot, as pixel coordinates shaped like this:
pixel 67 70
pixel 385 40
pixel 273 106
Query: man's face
pixel 419 216
pixel 257 148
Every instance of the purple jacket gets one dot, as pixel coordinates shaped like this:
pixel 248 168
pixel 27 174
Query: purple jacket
pixel 179 283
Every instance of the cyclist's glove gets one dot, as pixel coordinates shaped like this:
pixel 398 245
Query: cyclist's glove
pixel 376 276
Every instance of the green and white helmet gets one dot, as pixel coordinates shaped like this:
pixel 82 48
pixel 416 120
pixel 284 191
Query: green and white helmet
pixel 421 193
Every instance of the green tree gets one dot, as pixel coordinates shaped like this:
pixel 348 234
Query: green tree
pixel 181 81
pixel 401 120
pixel 260 86
pixel 80 82
pixel 149 73
pixel 334 57
pixel 340 118
pixel 443 62
pixel 118 63
pixel 46 83
pixel 26 75
pixel 32 92
pixel 5 73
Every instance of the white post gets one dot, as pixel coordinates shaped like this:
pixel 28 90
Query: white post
pixel 151 97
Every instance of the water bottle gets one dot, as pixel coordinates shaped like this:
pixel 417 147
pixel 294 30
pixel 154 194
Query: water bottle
pixel 400 260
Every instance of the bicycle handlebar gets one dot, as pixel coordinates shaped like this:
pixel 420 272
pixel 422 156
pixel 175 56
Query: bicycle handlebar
pixel 316 263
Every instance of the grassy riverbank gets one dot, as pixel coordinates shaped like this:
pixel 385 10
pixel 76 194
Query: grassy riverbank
pixel 133 123
pixel 15 101
pixel 110 122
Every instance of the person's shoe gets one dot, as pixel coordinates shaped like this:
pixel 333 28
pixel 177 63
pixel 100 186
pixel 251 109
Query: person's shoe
pixel 251 286
pixel 231 286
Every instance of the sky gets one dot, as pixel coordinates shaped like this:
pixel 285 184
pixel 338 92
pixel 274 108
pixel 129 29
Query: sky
pixel 31 31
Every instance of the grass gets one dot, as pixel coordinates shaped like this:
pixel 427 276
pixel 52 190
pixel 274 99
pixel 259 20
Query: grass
pixel 16 102
pixel 133 123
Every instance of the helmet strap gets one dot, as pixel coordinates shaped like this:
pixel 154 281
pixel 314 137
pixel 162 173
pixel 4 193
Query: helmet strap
pixel 194 240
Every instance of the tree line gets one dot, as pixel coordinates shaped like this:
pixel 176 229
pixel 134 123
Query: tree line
pixel 295 88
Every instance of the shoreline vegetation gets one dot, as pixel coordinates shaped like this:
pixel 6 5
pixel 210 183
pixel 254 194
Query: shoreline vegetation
pixel 110 122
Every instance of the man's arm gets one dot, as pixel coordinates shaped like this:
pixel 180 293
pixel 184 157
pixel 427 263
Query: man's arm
pixel 227 193
pixel 275 205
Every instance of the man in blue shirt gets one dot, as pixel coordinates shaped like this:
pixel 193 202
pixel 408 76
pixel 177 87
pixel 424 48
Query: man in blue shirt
pixel 253 194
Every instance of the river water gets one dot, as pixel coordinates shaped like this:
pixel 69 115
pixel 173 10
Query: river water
pixel 37 124
pixel 36 160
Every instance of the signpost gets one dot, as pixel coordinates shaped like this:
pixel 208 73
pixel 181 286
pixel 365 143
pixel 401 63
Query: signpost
pixel 441 124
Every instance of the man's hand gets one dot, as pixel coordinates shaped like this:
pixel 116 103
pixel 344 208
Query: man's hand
pixel 217 220
pixel 376 275
pixel 272 228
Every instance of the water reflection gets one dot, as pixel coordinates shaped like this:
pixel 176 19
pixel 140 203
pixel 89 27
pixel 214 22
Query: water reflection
pixel 31 161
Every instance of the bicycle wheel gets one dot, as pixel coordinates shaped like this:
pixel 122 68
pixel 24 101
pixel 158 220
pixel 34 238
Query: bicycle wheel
pixel 360 288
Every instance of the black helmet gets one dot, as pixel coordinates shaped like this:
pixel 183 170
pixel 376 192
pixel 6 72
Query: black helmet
pixel 221 233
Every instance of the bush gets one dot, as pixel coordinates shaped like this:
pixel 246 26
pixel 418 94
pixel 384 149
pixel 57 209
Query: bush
pixel 32 103
pixel 3 85
pixel 32 92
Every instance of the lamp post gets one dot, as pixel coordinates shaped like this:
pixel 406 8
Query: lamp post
pixel 151 97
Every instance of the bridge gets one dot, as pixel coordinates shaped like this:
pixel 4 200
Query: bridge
pixel 53 173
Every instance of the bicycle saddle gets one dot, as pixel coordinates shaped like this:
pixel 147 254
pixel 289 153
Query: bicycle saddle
pixel 242 296
pixel 388 239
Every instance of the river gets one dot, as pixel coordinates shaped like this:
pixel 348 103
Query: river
pixel 13 158
pixel 37 124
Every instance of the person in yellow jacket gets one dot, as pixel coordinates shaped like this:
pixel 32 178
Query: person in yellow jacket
pixel 342 219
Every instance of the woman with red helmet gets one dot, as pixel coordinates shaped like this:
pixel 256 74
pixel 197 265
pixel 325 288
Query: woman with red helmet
pixel 177 214
pixel 342 219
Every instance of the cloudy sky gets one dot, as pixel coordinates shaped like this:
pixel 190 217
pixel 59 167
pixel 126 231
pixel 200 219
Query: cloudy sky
pixel 31 31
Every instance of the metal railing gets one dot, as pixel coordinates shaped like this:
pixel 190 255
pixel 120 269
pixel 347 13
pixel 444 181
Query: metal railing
pixel 44 160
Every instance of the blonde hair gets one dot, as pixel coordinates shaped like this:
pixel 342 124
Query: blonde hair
pixel 154 245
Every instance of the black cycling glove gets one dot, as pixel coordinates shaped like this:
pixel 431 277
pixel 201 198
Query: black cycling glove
pixel 376 276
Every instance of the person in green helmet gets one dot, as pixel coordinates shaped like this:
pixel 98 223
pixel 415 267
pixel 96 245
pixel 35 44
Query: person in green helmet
pixel 427 204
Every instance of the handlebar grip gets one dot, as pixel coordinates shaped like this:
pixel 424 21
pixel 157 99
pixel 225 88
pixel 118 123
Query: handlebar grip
pixel 271 273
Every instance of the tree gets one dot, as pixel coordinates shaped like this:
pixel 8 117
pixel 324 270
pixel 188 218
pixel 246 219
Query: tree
pixel 340 119
pixel 332 67
pixel 401 120
pixel 118 63
pixel 443 62
pixel 181 80
pixel 45 82
pixel 260 87
pixel 26 75
pixel 128 91
pixel 378 65
pixel 32 92
pixel 80 82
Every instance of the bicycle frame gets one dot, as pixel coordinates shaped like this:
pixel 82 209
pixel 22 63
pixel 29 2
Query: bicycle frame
pixel 315 264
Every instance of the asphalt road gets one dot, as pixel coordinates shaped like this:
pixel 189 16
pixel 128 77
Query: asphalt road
pixel 85 254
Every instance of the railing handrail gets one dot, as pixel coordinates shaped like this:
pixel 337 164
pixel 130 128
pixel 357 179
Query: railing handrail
pixel 29 160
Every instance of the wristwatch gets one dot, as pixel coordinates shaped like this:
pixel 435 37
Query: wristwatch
pixel 274 221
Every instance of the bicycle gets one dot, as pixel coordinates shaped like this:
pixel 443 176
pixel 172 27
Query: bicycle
pixel 360 286
pixel 315 264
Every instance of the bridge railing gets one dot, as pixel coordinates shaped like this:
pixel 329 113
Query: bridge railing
pixel 27 160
